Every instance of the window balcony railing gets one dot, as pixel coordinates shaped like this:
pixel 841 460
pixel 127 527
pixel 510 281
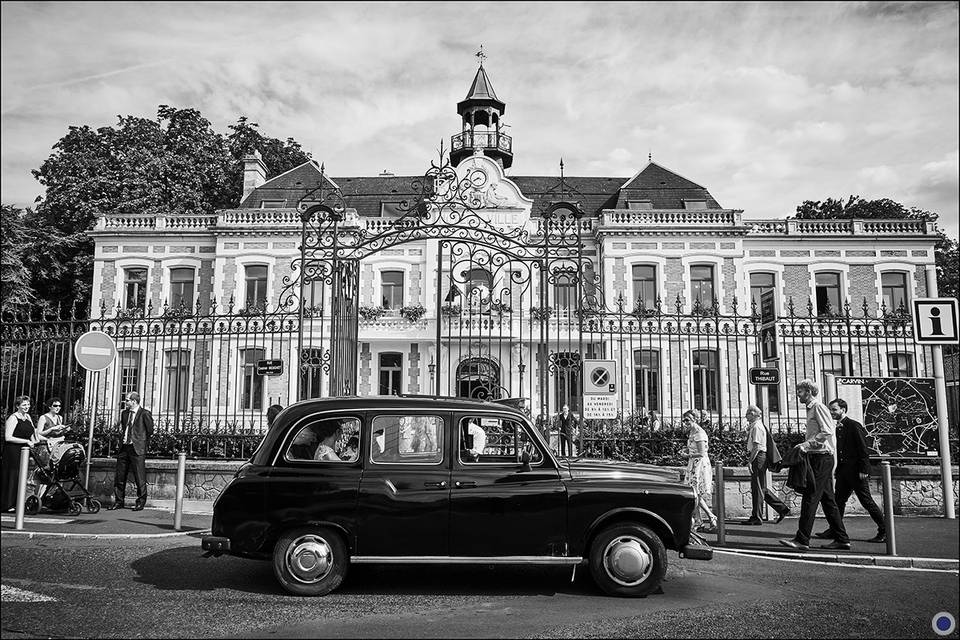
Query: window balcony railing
pixel 481 140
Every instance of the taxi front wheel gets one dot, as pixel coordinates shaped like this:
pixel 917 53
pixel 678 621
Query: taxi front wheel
pixel 628 560
pixel 310 561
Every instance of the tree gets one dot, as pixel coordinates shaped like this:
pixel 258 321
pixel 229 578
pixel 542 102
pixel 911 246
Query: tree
pixel 15 290
pixel 945 250
pixel 175 164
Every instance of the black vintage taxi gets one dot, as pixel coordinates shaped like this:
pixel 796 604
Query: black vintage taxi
pixel 354 480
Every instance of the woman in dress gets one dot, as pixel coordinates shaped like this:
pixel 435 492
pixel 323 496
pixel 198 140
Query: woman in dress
pixel 50 424
pixel 698 473
pixel 18 431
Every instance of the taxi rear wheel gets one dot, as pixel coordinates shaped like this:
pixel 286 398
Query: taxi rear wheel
pixel 310 561
pixel 628 560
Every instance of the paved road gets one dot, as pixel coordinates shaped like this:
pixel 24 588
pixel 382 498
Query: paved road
pixel 136 588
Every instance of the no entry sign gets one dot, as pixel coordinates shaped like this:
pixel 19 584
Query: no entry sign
pixel 95 351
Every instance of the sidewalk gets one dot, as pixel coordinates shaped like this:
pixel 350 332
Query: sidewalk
pixel 936 540
pixel 155 521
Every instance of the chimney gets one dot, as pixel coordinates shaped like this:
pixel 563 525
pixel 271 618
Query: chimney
pixel 254 173
pixel 385 174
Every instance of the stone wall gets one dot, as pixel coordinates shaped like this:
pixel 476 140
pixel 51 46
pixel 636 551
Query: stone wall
pixel 916 489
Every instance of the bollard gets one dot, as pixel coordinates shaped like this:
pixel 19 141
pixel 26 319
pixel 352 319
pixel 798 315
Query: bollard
pixel 719 506
pixel 22 486
pixel 181 476
pixel 888 508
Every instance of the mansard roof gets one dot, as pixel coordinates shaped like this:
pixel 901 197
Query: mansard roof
pixel 661 187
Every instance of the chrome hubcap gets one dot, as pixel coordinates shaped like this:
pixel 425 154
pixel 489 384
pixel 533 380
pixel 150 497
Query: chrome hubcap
pixel 309 559
pixel 627 560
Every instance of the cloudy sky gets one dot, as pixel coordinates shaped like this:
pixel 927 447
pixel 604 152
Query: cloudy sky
pixel 764 104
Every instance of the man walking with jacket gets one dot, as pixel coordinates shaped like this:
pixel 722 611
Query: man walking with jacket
pixel 853 469
pixel 136 427
pixel 757 462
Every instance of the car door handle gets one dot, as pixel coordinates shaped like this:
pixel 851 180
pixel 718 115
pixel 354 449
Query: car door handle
pixel 435 485
pixel 465 483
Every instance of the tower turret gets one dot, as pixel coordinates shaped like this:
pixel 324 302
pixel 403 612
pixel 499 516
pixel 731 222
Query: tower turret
pixel 482 112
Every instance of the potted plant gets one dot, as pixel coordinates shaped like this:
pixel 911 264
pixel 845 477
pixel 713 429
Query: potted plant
pixel 450 310
pixel 371 312
pixel 413 312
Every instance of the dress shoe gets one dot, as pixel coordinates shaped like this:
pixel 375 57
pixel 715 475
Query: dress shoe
pixel 753 521
pixel 781 516
pixel 115 506
pixel 793 543
pixel 880 537
pixel 845 546
pixel 137 507
pixel 825 535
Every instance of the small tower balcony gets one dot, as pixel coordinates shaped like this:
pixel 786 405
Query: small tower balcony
pixel 494 144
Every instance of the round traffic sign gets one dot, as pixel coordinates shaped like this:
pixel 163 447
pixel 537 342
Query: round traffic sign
pixel 600 376
pixel 95 350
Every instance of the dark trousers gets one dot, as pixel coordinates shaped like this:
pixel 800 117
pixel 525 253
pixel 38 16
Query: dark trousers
pixel 566 442
pixel 821 494
pixel 128 460
pixel 759 491
pixel 848 481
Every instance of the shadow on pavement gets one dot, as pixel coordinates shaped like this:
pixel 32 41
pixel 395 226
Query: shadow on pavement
pixel 185 569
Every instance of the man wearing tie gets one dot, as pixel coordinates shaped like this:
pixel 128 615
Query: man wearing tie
pixel 136 427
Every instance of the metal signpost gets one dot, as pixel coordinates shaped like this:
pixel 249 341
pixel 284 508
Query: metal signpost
pixel 935 322
pixel 94 351
pixel 600 389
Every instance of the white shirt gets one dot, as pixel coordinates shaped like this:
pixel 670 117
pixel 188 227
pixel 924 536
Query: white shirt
pixel 757 437
pixel 126 432
pixel 479 438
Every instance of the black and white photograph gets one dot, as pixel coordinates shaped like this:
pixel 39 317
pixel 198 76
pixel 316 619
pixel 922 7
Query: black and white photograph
pixel 480 319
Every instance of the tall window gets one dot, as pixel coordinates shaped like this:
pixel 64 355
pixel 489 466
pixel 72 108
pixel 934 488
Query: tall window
pixel 391 286
pixel 760 282
pixel 565 293
pixel 828 293
pixel 893 286
pixel 567 380
pixel 129 366
pixel 900 365
pixel 645 285
pixel 251 384
pixel 135 288
pixel 706 379
pixel 176 380
pixel 181 288
pixel 391 364
pixel 479 283
pixel 835 363
pixel 313 294
pixel 310 379
pixel 701 284
pixel 256 282
pixel 646 379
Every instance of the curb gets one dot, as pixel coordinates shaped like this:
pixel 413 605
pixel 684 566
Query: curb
pixel 100 536
pixel 898 562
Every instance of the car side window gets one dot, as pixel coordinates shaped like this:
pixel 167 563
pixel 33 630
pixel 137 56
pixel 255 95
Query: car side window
pixel 407 439
pixel 494 441
pixel 326 440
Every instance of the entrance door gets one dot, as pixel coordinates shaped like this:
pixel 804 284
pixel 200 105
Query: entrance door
pixel 405 490
pixel 479 379
pixel 497 508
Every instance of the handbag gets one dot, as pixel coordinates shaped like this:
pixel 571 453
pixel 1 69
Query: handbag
pixel 773 454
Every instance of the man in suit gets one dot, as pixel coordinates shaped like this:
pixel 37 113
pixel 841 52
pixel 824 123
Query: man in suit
pixel 136 427
pixel 853 469
pixel 566 422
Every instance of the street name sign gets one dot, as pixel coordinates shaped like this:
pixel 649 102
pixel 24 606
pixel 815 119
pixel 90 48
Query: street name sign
pixel 764 376
pixel 269 367
pixel 95 351
pixel 935 321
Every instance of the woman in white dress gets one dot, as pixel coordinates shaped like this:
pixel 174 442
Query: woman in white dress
pixel 698 473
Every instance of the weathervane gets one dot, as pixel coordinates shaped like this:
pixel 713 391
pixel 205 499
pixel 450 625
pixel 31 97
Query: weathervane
pixel 481 55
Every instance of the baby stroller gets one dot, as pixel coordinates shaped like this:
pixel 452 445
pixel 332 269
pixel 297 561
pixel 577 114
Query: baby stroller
pixel 58 483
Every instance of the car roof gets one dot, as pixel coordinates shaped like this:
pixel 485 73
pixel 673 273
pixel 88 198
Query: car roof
pixel 362 403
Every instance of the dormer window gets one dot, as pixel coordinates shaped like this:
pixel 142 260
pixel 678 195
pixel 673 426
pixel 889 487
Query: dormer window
pixel 639 204
pixel 390 210
pixel 272 204
pixel 694 204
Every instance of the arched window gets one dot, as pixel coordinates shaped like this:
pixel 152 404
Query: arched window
pixel 478 378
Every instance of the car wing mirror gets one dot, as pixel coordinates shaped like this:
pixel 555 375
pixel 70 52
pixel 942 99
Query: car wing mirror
pixel 525 459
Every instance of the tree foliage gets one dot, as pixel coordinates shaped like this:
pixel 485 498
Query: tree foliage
pixel 946 254
pixel 175 164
